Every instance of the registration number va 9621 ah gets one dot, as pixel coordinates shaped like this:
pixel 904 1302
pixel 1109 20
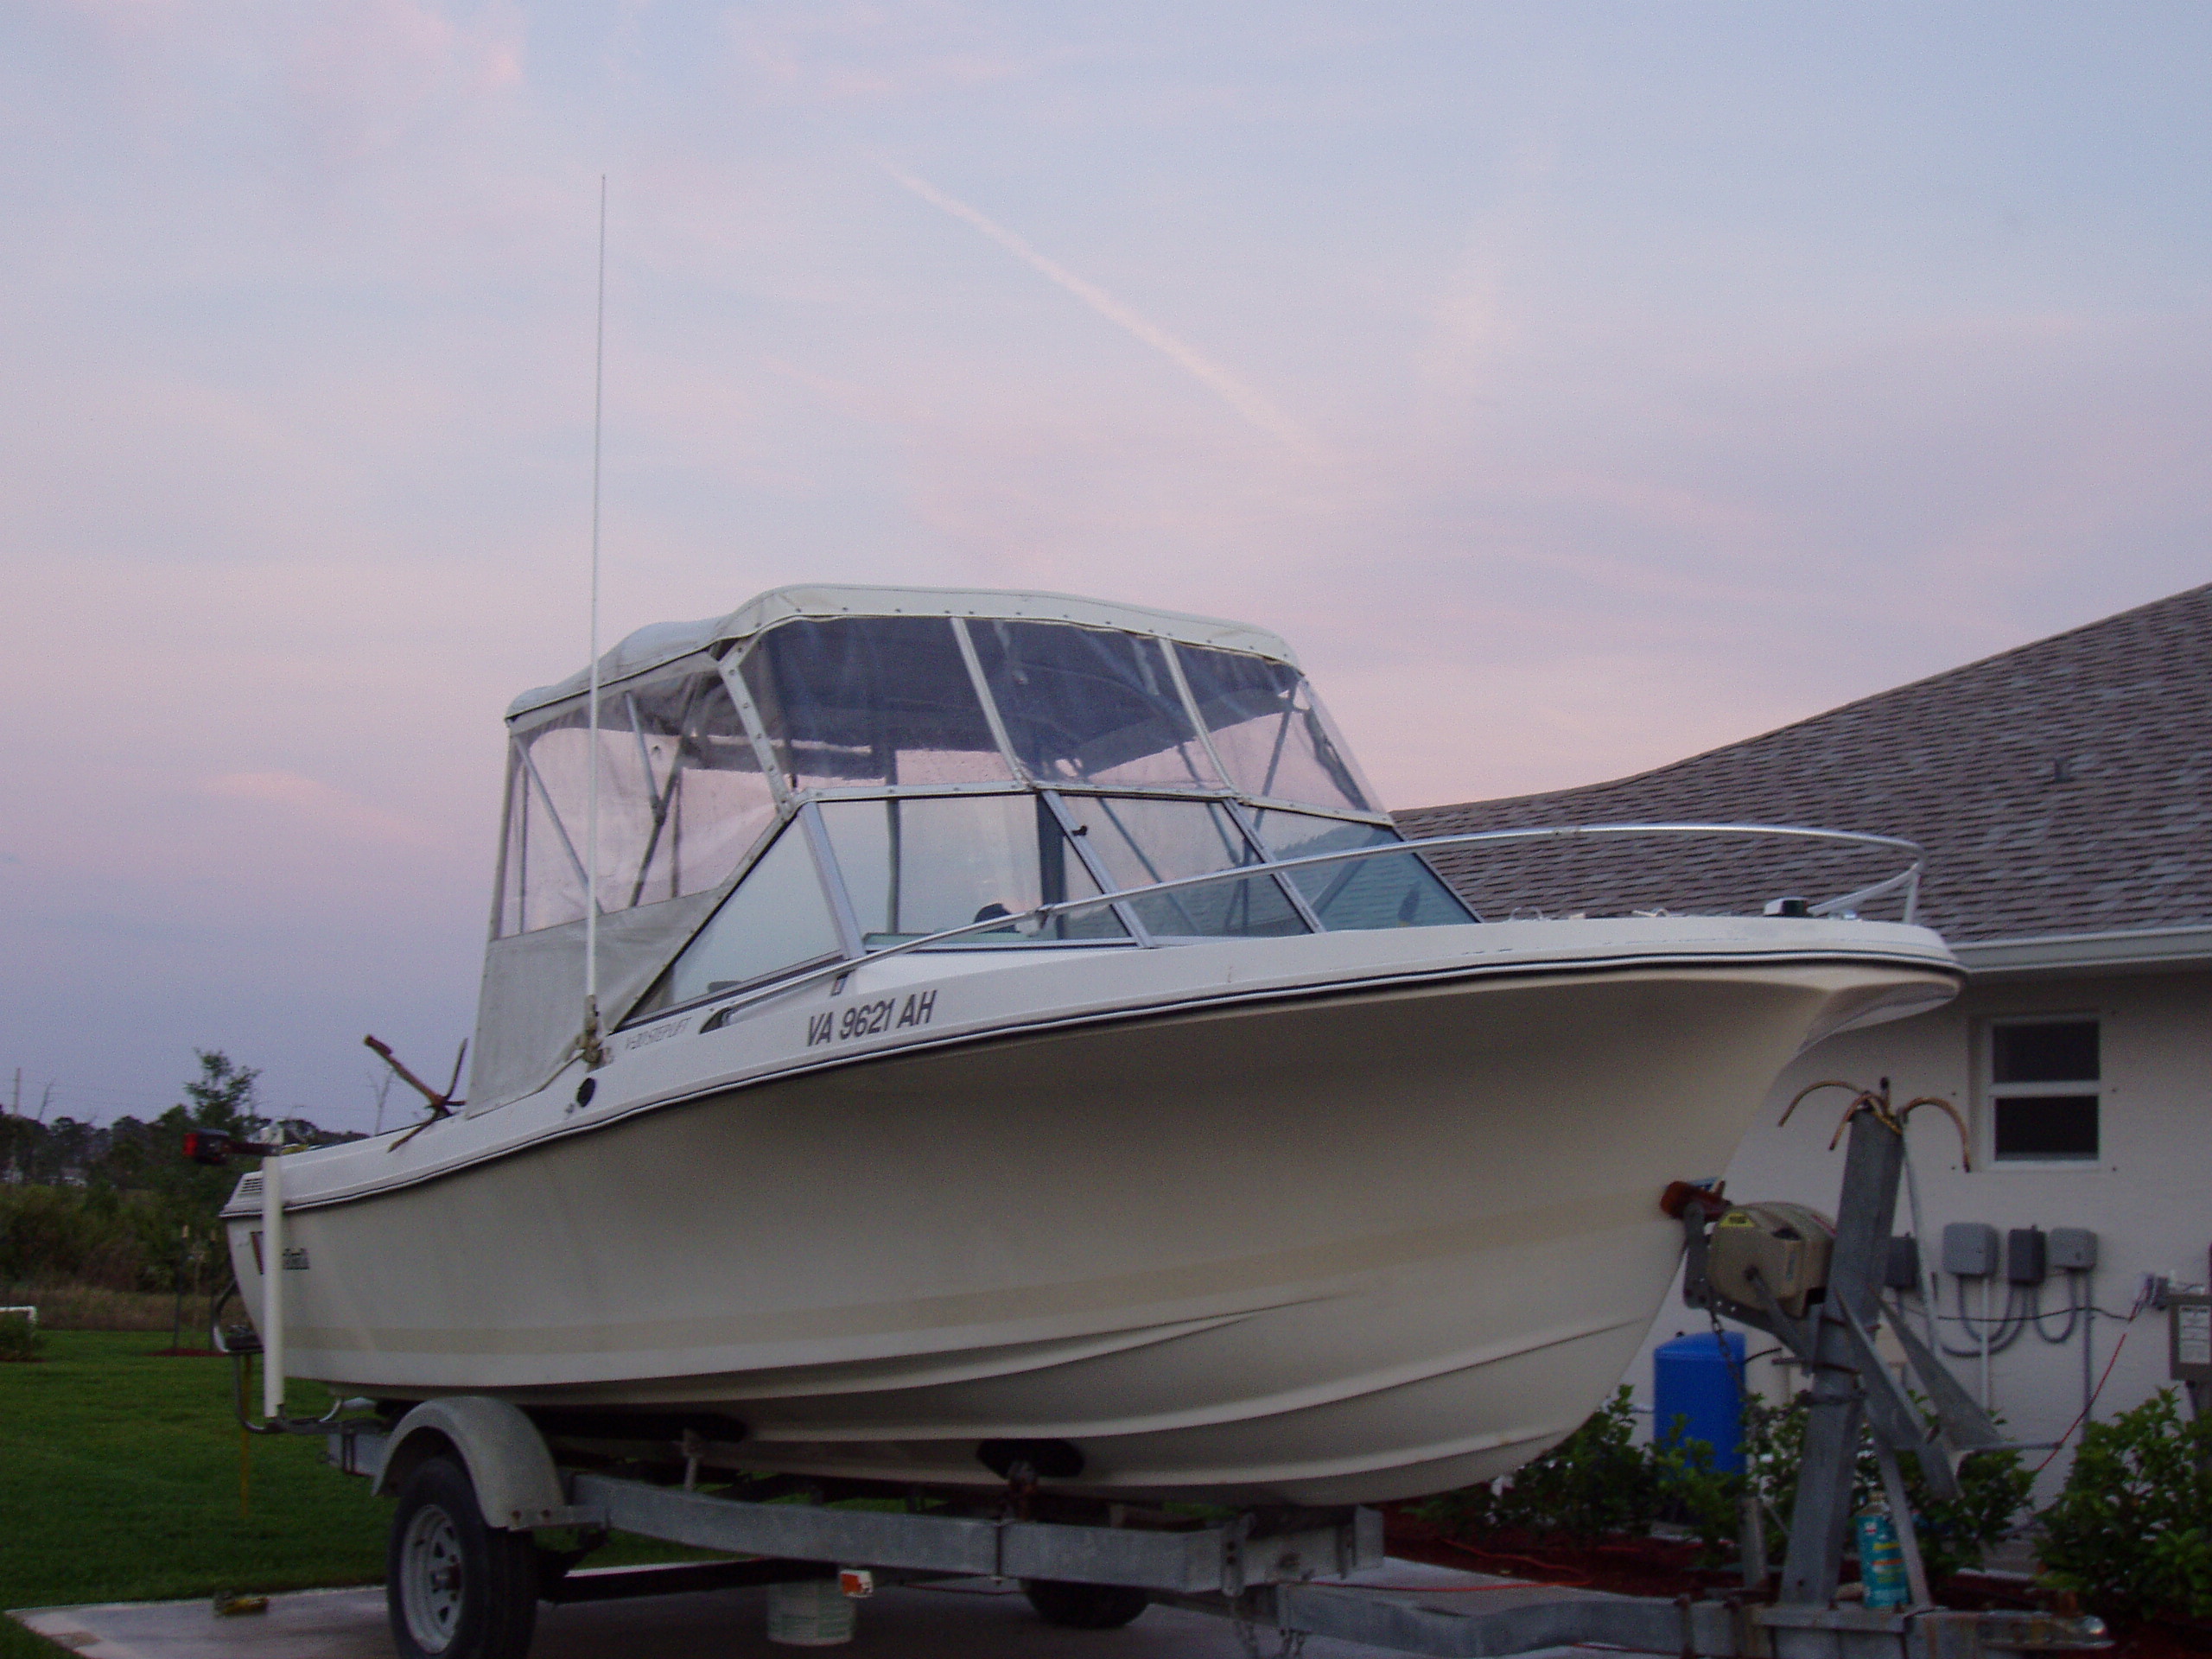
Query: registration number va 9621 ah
pixel 867 1019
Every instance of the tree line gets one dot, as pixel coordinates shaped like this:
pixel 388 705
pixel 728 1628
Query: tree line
pixel 116 1205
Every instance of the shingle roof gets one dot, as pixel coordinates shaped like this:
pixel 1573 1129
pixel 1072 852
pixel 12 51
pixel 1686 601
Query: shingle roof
pixel 2061 787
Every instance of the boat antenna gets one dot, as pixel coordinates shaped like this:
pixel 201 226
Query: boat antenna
pixel 593 1052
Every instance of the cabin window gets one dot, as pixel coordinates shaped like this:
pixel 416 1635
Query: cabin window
pixel 776 919
pixel 2044 1090
pixel 871 701
pixel 681 798
pixel 541 874
pixel 1387 891
pixel 1272 734
pixel 1139 841
pixel 919 865
pixel 1091 705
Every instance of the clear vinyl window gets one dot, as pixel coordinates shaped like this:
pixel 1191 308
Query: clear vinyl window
pixel 855 700
pixel 1091 705
pixel 1270 729
pixel 1388 891
pixel 775 920
pixel 540 871
pixel 681 798
pixel 916 865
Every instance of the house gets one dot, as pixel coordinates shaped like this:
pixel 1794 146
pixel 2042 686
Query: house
pixel 2062 793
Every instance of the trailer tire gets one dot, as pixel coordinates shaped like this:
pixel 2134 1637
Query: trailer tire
pixel 454 1587
pixel 1084 1606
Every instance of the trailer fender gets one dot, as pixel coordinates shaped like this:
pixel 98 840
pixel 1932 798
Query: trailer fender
pixel 517 1486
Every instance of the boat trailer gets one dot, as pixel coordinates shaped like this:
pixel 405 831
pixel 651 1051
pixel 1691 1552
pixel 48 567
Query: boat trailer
pixel 466 1586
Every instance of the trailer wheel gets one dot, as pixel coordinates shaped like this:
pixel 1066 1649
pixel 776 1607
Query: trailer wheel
pixel 1084 1606
pixel 456 1588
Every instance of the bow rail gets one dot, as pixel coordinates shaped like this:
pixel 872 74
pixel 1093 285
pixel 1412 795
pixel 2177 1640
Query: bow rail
pixel 1905 882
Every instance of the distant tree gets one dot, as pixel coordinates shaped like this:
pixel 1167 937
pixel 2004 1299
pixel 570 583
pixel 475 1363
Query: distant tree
pixel 150 1156
pixel 119 1204
pixel 64 1150
pixel 222 1096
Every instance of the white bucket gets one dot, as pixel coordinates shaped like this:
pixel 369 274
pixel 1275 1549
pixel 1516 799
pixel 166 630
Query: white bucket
pixel 814 1613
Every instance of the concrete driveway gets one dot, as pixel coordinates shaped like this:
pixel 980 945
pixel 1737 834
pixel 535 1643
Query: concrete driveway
pixel 971 1619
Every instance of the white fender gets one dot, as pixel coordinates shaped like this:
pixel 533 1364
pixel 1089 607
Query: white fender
pixel 517 1486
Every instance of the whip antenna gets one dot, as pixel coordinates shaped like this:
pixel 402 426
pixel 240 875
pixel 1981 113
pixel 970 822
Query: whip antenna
pixel 593 1054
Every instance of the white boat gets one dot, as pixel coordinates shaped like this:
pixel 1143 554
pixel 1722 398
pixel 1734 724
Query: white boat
pixel 954 1107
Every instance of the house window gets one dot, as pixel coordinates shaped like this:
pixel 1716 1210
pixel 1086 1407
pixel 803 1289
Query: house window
pixel 2043 1090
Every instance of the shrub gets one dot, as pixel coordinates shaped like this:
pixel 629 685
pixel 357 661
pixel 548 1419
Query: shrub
pixel 95 1235
pixel 1708 1500
pixel 19 1337
pixel 1954 1534
pixel 1595 1482
pixel 2129 1533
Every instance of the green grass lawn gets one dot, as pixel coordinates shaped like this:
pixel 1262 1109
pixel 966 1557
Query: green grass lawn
pixel 119 1481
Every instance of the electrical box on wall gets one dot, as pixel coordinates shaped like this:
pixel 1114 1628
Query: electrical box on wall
pixel 2073 1250
pixel 2189 1337
pixel 1901 1270
pixel 2024 1256
pixel 1970 1249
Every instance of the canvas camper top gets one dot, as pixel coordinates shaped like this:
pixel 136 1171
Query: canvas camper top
pixel 833 770
pixel 660 643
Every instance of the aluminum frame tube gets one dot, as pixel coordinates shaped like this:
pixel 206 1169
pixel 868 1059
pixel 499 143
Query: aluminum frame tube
pixel 1866 1214
pixel 272 1287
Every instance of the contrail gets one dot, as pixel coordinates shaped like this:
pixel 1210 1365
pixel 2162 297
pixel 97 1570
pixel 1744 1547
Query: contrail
pixel 1226 386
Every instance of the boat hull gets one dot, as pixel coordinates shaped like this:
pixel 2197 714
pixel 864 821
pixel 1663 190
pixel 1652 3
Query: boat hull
pixel 1358 1243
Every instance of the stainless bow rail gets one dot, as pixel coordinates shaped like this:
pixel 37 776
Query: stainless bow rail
pixel 1905 882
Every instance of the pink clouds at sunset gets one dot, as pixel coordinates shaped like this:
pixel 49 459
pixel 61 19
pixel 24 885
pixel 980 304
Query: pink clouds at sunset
pixel 1650 377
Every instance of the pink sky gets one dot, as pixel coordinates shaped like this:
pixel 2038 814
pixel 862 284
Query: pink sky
pixel 1577 387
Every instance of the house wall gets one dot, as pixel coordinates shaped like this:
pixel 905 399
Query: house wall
pixel 2148 1196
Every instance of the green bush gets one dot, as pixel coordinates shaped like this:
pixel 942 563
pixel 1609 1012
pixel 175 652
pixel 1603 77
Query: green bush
pixel 2132 1532
pixel 1706 1499
pixel 1595 1483
pixel 1954 1534
pixel 100 1235
pixel 20 1337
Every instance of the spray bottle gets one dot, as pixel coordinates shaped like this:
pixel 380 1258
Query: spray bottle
pixel 1881 1558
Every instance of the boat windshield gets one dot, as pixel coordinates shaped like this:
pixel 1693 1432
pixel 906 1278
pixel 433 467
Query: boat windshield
pixel 1091 706
pixel 877 700
pixel 1274 739
pixel 1141 842
pixel 1391 890
pixel 848 783
pixel 915 866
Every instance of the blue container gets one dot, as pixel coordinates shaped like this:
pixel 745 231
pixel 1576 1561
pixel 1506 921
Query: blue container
pixel 1693 1377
